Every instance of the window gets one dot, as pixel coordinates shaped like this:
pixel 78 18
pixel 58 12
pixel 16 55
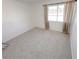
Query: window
pixel 56 12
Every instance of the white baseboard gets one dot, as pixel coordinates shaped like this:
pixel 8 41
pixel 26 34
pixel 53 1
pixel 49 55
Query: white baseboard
pixel 4 41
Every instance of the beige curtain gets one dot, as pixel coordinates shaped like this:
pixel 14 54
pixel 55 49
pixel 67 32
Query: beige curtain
pixel 46 17
pixel 67 16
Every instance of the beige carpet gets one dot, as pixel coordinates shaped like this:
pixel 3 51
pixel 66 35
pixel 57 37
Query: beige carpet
pixel 38 44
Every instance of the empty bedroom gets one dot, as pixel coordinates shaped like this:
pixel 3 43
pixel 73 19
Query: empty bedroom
pixel 39 29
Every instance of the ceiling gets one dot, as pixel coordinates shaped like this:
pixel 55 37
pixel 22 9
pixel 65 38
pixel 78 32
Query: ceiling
pixel 31 0
pixel 49 1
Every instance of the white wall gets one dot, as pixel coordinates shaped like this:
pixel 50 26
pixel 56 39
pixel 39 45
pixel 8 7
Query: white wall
pixel 16 19
pixel 73 34
pixel 38 15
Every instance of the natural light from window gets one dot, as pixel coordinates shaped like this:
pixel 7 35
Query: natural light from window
pixel 56 12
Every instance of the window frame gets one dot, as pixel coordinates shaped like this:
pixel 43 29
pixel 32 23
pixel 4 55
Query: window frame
pixel 57 5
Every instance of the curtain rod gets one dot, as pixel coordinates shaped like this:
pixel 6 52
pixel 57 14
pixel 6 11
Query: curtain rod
pixel 60 3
